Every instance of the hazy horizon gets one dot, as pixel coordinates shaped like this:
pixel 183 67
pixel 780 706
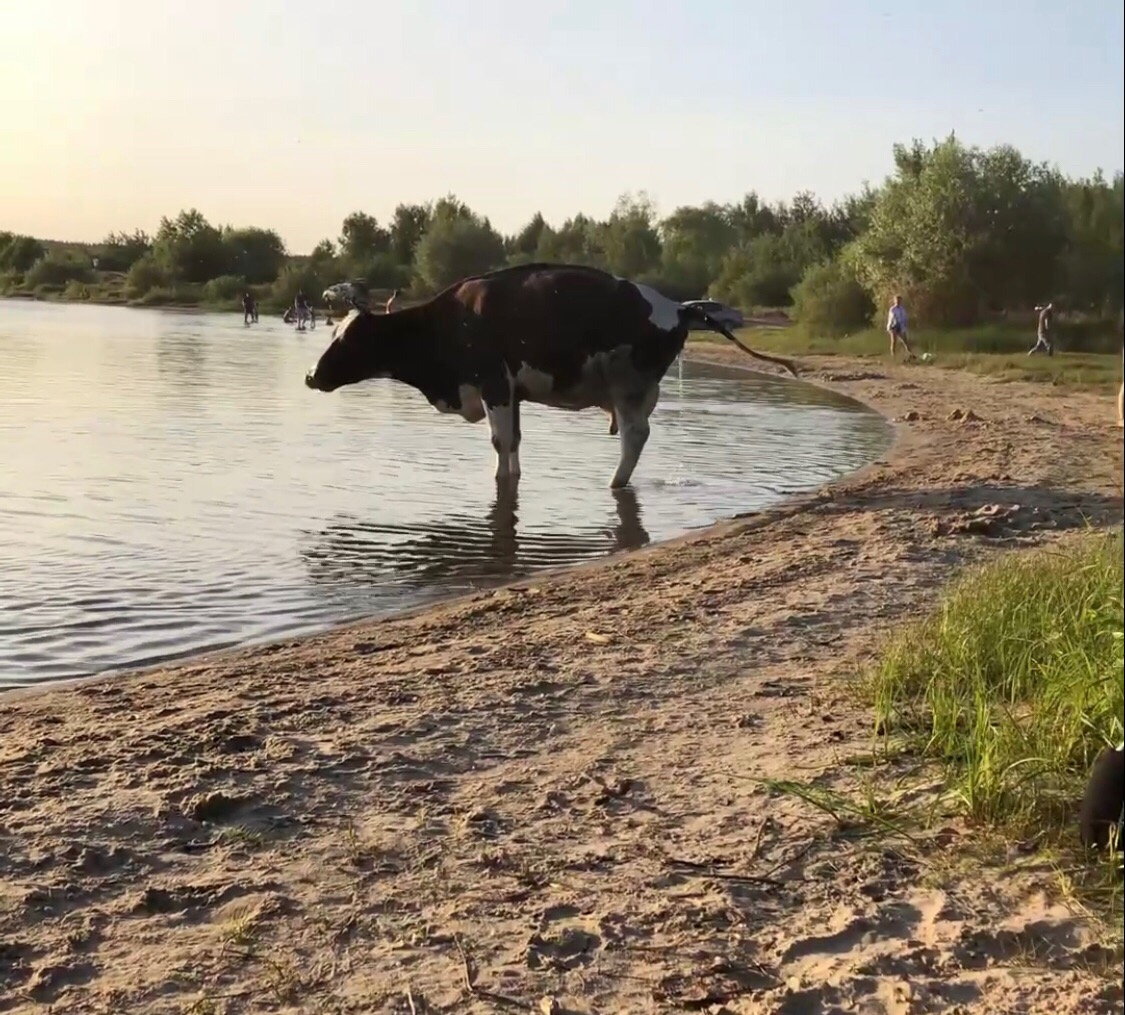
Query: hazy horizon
pixel 118 114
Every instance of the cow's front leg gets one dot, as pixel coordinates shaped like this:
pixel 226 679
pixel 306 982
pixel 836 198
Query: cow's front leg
pixel 503 410
pixel 632 413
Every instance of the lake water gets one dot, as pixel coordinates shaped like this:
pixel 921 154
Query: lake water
pixel 168 484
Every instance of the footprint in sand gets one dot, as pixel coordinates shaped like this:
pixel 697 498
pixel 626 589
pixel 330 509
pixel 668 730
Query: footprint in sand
pixel 563 942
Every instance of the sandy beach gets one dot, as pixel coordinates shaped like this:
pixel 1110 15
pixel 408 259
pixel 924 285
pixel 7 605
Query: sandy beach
pixel 547 797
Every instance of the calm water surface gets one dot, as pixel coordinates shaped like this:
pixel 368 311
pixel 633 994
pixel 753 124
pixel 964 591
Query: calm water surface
pixel 167 484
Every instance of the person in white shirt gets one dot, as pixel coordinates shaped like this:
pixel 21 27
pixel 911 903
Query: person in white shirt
pixel 1043 333
pixel 896 328
pixel 1121 396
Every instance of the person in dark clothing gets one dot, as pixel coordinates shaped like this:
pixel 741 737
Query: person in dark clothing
pixel 249 309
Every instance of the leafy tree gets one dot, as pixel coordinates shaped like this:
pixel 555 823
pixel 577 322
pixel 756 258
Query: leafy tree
pixel 408 225
pixel 120 251
pixel 852 216
pixel 577 241
pixel 255 255
pixel 362 237
pixel 323 253
pixel 760 274
pixel 1091 269
pixel 751 218
pixel 629 239
pixel 696 239
pixel 457 243
pixel 958 230
pixel 189 248
pixel 803 208
pixel 523 246
pixel 20 253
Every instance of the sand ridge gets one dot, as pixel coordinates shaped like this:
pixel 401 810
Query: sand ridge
pixel 546 797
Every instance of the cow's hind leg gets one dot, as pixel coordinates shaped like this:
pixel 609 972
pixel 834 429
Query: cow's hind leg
pixel 632 412
pixel 514 445
pixel 503 412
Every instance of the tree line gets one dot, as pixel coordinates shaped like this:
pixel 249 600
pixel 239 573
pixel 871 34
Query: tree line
pixel 960 232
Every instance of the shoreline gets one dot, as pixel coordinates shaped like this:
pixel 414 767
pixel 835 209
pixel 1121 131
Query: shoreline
pixel 517 775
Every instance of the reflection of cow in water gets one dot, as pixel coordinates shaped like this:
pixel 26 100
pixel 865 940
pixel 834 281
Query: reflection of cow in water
pixel 463 552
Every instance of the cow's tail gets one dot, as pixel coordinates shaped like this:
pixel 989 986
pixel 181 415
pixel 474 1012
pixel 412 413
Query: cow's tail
pixel 715 326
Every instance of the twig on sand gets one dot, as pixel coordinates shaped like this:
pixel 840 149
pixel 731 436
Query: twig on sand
pixel 793 857
pixel 757 850
pixel 410 1001
pixel 468 974
pixel 702 870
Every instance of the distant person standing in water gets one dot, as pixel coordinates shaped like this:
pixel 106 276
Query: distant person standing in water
pixel 249 310
pixel 896 328
pixel 301 306
pixel 1043 336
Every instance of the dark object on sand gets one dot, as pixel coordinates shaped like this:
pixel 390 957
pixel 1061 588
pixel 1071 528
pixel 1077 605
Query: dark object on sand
pixel 1100 818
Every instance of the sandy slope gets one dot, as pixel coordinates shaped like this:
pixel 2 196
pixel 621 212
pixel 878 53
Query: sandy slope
pixel 543 786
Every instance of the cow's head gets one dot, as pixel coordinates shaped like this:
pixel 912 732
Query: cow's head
pixel 360 349
pixel 354 293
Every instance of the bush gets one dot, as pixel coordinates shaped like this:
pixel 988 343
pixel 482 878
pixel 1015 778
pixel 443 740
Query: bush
pixel 76 290
pixel 19 253
pixel 1015 682
pixel 224 290
pixel 165 296
pixel 381 271
pixel 295 278
pixel 830 300
pixel 58 270
pixel 118 252
pixel 145 274
pixel 764 271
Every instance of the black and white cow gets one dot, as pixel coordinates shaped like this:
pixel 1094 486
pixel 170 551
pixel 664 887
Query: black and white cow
pixel 560 335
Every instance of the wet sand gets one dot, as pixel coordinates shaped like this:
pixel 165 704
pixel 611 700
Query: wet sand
pixel 550 790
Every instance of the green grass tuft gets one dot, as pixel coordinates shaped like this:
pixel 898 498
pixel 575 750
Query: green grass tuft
pixel 1015 682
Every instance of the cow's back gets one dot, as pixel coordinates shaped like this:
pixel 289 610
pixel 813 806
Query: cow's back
pixel 555 318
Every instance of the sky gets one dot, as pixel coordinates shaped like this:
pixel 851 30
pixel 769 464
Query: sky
pixel 291 115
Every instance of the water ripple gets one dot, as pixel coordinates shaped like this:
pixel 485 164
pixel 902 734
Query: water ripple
pixel 168 485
